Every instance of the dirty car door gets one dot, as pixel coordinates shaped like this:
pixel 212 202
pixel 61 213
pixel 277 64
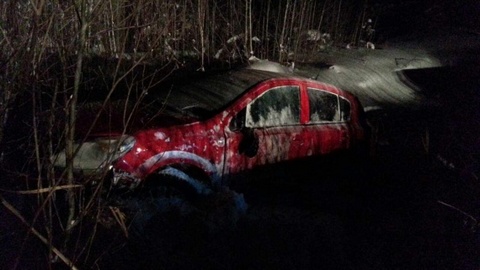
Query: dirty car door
pixel 265 131
pixel 327 127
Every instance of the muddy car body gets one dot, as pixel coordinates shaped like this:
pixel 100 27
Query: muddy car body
pixel 223 125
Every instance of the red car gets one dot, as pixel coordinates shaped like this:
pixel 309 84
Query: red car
pixel 203 131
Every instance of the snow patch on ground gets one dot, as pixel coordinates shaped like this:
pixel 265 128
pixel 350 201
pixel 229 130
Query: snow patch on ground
pixel 266 65
pixel 372 75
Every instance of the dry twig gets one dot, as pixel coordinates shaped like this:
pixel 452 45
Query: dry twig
pixel 44 240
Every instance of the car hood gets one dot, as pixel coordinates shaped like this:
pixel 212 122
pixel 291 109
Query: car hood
pixel 120 117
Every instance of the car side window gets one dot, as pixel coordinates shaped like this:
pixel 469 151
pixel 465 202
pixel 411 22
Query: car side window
pixel 323 106
pixel 279 106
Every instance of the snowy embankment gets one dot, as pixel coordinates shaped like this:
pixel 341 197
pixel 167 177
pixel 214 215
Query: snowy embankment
pixel 377 77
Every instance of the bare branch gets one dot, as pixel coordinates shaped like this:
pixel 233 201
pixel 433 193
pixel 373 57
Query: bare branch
pixel 44 240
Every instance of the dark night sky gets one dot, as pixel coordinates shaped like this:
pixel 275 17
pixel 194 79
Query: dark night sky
pixel 401 17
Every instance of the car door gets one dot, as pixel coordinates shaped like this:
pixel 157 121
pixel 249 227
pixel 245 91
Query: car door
pixel 326 129
pixel 265 130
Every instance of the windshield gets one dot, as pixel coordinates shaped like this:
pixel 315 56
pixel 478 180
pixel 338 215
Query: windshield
pixel 203 97
pixel 173 102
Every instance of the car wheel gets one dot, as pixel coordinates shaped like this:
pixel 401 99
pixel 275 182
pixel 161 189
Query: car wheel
pixel 170 191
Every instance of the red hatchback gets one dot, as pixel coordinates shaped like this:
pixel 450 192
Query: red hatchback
pixel 203 131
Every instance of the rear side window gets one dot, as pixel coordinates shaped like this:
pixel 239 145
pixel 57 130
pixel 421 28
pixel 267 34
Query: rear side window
pixel 323 106
pixel 279 106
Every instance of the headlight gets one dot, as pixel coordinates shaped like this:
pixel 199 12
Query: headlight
pixel 97 154
pixel 115 146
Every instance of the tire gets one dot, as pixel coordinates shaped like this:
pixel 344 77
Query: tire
pixel 171 191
